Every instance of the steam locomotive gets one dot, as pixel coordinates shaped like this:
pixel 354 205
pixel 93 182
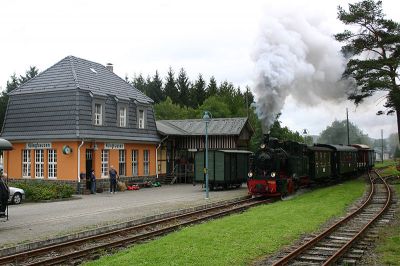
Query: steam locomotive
pixel 279 168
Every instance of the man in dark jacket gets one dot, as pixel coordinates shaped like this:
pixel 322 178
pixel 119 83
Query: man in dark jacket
pixel 92 182
pixel 113 179
pixel 4 194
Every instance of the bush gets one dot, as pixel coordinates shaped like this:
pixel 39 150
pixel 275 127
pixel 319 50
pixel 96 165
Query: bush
pixel 42 190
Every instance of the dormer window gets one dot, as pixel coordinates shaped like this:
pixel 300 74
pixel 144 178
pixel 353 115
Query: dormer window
pixel 122 117
pixel 98 114
pixel 141 118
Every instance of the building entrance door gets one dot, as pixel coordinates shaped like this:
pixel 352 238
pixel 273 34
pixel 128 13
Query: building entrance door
pixel 89 166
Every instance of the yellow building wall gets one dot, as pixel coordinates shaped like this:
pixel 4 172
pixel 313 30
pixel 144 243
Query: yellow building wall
pixel 67 163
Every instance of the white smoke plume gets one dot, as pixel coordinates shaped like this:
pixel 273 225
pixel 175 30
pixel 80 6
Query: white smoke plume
pixel 295 55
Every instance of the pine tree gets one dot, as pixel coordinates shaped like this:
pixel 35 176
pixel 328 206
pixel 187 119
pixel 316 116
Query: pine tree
pixel 198 92
pixel 155 90
pixel 170 88
pixel 183 84
pixel 139 83
pixel 31 73
pixel 212 88
pixel 374 49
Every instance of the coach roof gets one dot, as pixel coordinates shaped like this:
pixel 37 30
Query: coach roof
pixel 338 147
pixel 73 72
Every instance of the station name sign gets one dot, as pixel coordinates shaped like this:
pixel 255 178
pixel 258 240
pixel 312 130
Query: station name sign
pixel 38 145
pixel 114 146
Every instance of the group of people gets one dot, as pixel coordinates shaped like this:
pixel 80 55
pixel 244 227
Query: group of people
pixel 113 180
pixel 4 195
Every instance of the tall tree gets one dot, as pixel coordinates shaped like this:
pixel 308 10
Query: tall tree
pixel 374 49
pixel 336 133
pixel 212 88
pixel 284 133
pixel 183 85
pixel 30 73
pixel 139 83
pixel 170 88
pixel 198 92
pixel 168 110
pixel 215 105
pixel 155 89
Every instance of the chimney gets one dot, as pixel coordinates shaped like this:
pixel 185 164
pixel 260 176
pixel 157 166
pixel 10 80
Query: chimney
pixel 110 67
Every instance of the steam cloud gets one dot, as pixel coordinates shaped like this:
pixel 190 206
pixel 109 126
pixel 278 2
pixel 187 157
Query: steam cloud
pixel 295 56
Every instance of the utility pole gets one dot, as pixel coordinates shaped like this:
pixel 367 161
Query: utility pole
pixel 382 144
pixel 348 132
pixel 247 101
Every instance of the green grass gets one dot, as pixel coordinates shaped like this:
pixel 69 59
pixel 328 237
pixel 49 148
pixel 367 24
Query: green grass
pixel 387 168
pixel 385 163
pixel 242 238
pixel 389 241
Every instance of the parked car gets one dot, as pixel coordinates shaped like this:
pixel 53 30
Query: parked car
pixel 17 195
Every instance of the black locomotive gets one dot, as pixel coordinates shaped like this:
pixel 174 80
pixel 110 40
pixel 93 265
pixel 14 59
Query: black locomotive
pixel 280 167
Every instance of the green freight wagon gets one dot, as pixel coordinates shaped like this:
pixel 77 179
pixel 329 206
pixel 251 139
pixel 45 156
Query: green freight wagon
pixel 226 168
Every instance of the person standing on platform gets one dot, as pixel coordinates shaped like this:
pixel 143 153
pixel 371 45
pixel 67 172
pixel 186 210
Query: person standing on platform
pixel 4 195
pixel 92 182
pixel 113 179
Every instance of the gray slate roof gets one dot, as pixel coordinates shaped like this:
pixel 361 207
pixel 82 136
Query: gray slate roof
pixel 73 72
pixel 58 104
pixel 217 126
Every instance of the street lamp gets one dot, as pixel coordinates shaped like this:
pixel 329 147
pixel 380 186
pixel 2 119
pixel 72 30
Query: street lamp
pixel 207 118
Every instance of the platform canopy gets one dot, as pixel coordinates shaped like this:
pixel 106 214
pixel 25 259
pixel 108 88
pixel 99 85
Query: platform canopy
pixel 5 145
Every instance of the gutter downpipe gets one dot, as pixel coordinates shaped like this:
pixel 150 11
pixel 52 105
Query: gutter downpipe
pixel 159 145
pixel 79 164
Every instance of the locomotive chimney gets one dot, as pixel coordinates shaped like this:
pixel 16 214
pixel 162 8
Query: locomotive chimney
pixel 266 138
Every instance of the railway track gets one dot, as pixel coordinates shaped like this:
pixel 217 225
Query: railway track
pixel 345 241
pixel 77 251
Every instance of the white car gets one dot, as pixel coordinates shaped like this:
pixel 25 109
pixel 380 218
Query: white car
pixel 16 195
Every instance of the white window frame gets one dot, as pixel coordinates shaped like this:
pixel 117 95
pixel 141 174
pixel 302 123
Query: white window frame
pixel 141 113
pixel 98 114
pixel 122 162
pixel 135 154
pixel 146 162
pixel 39 164
pixel 122 117
pixel 52 164
pixel 26 164
pixel 104 163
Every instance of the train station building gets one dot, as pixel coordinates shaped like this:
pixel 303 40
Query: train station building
pixel 76 116
pixel 79 115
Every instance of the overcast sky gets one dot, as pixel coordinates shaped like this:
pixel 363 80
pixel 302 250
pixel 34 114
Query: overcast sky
pixel 209 37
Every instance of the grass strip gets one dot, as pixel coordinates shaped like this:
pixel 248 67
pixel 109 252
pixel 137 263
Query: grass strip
pixel 242 238
pixel 389 240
